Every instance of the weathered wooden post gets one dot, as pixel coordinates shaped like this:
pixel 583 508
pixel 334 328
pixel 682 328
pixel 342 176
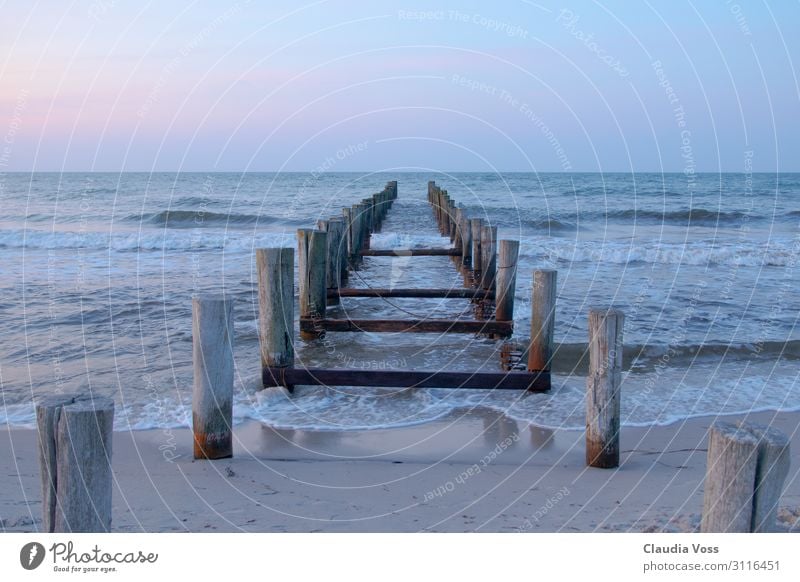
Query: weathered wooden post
pixel 603 388
pixel 459 220
pixel 730 479
pixel 442 211
pixel 275 271
pixel 451 219
pixel 437 206
pixel 339 227
pixel 358 232
pixel 476 225
pixel 488 256
pixel 75 442
pixel 466 242
pixel 446 216
pixel 368 226
pixel 212 395
pixel 336 264
pixel 349 242
pixel 380 197
pixel 543 318
pixel 771 471
pixel 312 246
pixel 745 470
pixel 506 280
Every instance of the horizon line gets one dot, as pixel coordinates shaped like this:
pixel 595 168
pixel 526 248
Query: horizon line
pixel 366 172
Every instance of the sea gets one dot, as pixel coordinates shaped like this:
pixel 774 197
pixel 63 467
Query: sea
pixel 98 270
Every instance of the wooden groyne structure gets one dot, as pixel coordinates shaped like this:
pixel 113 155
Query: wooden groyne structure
pixel 329 254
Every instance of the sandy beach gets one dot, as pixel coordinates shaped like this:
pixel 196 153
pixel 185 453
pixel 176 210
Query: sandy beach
pixel 473 471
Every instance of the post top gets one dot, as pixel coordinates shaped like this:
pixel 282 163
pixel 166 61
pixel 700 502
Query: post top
pixel 211 298
pixel 606 311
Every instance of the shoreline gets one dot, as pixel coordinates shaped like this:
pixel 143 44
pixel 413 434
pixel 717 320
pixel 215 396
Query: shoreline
pixel 239 423
pixel 478 471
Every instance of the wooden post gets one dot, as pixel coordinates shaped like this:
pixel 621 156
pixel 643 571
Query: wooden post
pixel 476 224
pixel 339 226
pixel 367 226
pixel 488 256
pixel 446 216
pixel 543 317
pixel 332 270
pixel 372 221
pixel 603 388
pixel 506 280
pixel 730 479
pixel 459 220
pixel 275 308
pixel 379 214
pixel 466 241
pixel 745 471
pixel 75 442
pixel 358 231
pixel 311 250
pixel 212 395
pixel 348 241
pixel 451 220
pixel 336 265
pixel 771 471
pixel 443 211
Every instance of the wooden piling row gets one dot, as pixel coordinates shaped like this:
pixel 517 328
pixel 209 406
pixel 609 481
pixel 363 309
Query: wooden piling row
pixel 340 243
pixel 473 240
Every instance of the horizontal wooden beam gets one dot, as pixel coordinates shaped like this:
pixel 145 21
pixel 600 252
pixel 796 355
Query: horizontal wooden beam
pixel 533 381
pixel 501 328
pixel 454 293
pixel 444 252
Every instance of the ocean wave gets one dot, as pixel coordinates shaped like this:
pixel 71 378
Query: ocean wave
pixel 203 218
pixel 778 253
pixel 550 224
pixel 131 241
pixel 587 215
pixel 684 216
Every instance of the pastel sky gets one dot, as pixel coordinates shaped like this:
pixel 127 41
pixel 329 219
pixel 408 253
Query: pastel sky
pixel 112 85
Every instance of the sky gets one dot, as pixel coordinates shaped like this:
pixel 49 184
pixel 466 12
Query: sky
pixel 673 86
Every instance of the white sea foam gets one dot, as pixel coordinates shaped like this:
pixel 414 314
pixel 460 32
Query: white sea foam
pixel 709 390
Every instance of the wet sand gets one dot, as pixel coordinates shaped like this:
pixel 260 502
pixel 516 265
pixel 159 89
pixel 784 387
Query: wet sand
pixel 471 471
